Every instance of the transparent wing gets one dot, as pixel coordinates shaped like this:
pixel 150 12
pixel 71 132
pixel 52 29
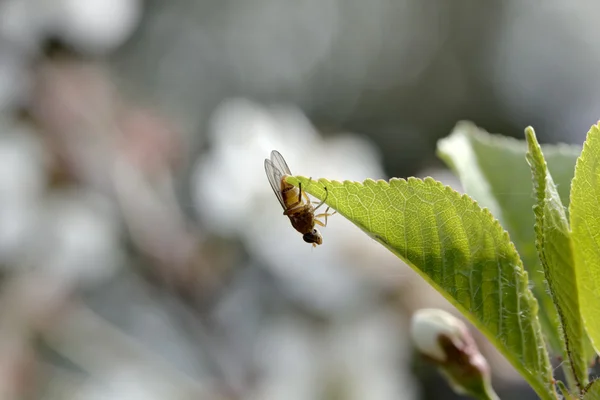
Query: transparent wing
pixel 275 174
pixel 278 160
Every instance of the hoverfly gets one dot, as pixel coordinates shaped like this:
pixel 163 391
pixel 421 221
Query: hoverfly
pixel 296 204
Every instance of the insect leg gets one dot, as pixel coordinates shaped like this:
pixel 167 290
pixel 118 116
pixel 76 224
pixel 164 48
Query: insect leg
pixel 290 207
pixel 324 215
pixel 300 194
pixel 322 202
pixel 304 193
pixel 306 198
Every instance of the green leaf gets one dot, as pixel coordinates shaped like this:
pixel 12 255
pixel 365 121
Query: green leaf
pixel 564 391
pixel 585 231
pixel 493 170
pixel 593 392
pixel 553 241
pixel 460 249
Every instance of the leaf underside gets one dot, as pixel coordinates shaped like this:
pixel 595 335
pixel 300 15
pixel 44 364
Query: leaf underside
pixel 553 241
pixel 460 249
pixel 493 170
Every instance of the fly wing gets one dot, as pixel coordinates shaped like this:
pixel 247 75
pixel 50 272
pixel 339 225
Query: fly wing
pixel 275 174
pixel 278 160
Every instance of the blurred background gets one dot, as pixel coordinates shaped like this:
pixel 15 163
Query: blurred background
pixel 142 252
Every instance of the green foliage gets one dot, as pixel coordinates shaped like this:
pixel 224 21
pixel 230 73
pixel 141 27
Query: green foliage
pixel 553 241
pixel 493 170
pixel 464 252
pixel 461 250
pixel 564 391
pixel 593 392
pixel 585 226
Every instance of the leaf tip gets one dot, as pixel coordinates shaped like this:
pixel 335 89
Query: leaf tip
pixel 530 134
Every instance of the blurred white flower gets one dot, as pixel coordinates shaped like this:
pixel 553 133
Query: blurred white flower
pixel 22 184
pixel 231 179
pixel 78 238
pixel 22 164
pixel 233 197
pixel 18 222
pixel 97 26
pixel 91 26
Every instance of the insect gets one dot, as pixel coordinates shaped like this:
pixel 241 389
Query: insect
pixel 295 202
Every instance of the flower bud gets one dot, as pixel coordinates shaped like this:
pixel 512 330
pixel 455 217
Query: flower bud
pixel 446 341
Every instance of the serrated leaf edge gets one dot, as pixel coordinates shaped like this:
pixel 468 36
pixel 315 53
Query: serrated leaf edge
pixel 544 361
pixel 540 186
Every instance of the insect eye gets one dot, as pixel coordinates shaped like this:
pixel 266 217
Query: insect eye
pixel 308 238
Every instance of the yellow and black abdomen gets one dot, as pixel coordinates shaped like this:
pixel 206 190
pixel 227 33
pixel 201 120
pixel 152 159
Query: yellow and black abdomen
pixel 291 195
